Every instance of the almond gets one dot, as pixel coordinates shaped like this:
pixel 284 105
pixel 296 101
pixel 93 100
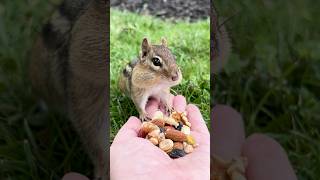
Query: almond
pixel 166 145
pixel 168 127
pixel 177 145
pixel 175 135
pixel 142 133
pixel 158 122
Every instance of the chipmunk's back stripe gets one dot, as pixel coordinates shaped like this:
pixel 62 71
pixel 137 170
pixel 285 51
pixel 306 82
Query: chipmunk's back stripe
pixel 133 63
pixel 52 38
pixel 129 67
pixel 71 9
pixel 56 31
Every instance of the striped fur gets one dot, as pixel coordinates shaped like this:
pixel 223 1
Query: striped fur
pixel 221 44
pixel 68 70
pixel 151 75
pixel 127 71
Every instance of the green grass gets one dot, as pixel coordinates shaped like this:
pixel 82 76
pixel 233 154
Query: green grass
pixel 273 75
pixel 190 42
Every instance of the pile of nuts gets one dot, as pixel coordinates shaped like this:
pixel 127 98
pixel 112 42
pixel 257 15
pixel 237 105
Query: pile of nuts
pixel 171 134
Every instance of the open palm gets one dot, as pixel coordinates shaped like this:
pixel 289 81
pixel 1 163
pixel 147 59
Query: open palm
pixel 133 158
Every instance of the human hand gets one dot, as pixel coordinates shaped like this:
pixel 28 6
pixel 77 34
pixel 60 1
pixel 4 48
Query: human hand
pixel 266 158
pixel 132 157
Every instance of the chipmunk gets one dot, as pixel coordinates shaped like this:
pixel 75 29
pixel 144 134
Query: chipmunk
pixel 68 68
pixel 221 43
pixel 151 75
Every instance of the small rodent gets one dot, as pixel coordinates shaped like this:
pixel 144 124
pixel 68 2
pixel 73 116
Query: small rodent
pixel 68 70
pixel 152 74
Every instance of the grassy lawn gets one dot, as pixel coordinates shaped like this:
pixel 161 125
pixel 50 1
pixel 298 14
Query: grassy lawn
pixel 273 75
pixel 189 42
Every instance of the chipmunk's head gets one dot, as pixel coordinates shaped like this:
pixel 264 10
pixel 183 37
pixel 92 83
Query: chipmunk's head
pixel 161 61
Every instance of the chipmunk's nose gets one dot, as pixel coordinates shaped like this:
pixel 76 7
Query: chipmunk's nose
pixel 175 76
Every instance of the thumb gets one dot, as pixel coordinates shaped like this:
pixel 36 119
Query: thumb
pixel 129 129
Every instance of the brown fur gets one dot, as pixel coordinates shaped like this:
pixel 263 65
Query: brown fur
pixel 221 44
pixel 82 87
pixel 145 79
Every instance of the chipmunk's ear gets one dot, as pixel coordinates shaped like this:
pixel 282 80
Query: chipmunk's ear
pixel 145 47
pixel 164 42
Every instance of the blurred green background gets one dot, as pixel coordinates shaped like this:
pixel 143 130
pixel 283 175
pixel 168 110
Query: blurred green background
pixel 273 75
pixel 35 142
pixel 189 42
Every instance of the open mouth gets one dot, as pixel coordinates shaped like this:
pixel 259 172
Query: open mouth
pixel 154 104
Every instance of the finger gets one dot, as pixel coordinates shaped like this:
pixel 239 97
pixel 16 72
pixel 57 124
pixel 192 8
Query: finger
pixel 266 159
pixel 74 176
pixel 196 119
pixel 152 106
pixel 227 134
pixel 129 129
pixel 179 103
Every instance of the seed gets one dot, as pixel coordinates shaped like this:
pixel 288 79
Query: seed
pixel 176 153
pixel 185 130
pixel 190 140
pixel 166 145
pixel 157 115
pixel 188 148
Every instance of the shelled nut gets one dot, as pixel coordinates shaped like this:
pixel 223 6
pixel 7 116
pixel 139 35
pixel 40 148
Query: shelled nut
pixel 176 135
pixel 166 145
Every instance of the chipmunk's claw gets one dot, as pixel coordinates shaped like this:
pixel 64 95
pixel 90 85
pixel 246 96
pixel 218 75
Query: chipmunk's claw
pixel 144 117
pixel 169 110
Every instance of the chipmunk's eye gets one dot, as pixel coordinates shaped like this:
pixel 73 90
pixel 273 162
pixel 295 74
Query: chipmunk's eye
pixel 156 61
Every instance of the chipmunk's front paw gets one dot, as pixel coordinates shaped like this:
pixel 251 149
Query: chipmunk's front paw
pixel 169 110
pixel 144 117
